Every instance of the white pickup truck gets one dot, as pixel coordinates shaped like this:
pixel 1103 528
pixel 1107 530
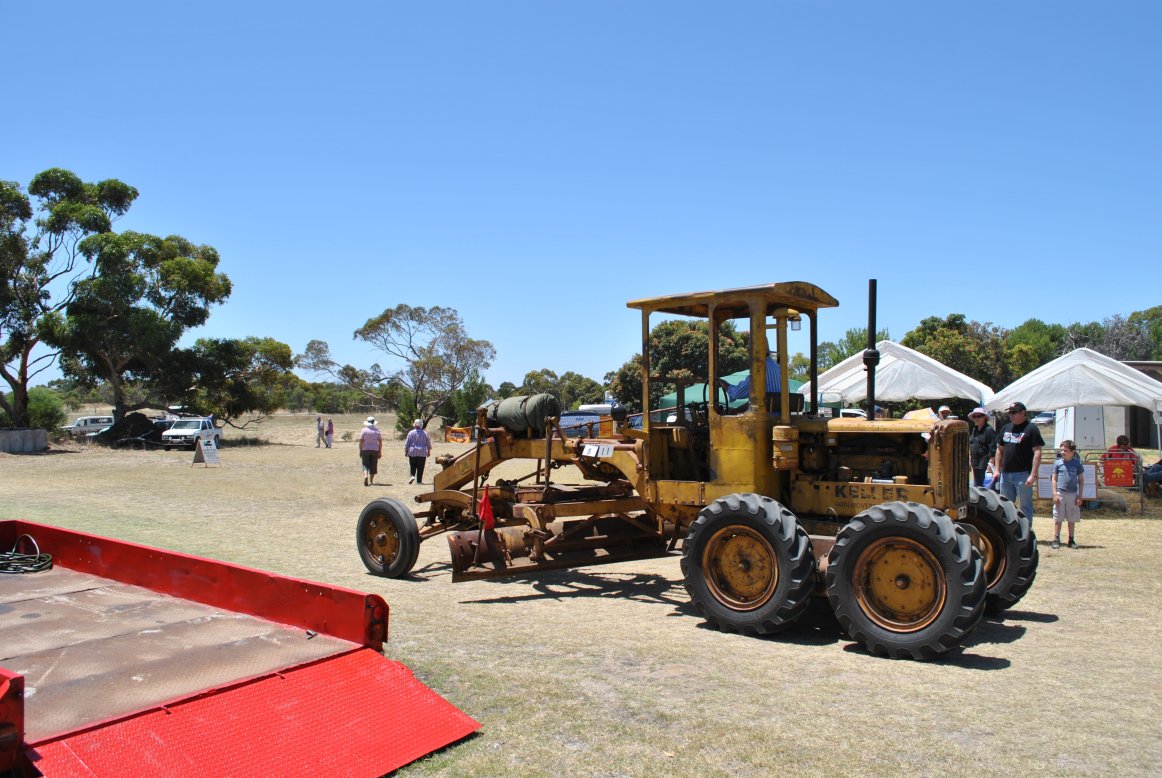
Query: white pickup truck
pixel 185 433
pixel 87 425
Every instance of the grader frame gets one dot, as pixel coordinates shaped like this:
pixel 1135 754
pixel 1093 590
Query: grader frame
pixel 773 502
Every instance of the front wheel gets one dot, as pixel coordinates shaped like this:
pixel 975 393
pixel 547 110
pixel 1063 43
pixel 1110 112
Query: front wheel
pixel 387 538
pixel 905 581
pixel 748 565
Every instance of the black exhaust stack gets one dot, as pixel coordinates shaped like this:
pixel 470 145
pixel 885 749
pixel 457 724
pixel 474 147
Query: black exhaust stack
pixel 871 357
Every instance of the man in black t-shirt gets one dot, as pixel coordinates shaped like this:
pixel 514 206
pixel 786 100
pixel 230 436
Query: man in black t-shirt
pixel 1018 457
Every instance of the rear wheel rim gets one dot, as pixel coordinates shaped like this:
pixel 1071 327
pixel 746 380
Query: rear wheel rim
pixel 992 551
pixel 741 567
pixel 899 584
pixel 381 538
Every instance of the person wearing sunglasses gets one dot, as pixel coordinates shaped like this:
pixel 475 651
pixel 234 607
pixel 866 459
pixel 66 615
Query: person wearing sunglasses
pixel 1018 457
pixel 1068 479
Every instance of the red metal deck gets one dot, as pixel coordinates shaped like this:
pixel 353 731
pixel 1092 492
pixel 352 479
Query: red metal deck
pixel 129 660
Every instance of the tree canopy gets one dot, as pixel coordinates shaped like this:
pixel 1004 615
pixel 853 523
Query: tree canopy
pixel 571 389
pixel 460 409
pixel 432 347
pixel 124 321
pixel 679 351
pixel 41 262
pixel 232 378
pixel 854 341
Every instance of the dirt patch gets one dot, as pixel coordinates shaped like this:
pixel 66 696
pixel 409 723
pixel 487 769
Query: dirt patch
pixel 606 671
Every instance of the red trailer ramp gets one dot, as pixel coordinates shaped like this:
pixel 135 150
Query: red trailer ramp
pixel 125 659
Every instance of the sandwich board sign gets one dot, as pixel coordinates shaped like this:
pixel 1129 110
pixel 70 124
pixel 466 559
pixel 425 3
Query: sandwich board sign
pixel 206 453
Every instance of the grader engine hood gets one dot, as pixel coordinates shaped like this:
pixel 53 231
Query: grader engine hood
pixel 850 465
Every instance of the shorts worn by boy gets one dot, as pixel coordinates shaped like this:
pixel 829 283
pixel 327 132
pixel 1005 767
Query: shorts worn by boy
pixel 1066 508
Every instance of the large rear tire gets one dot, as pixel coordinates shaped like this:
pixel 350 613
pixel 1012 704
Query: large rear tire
pixel 905 581
pixel 1008 546
pixel 748 565
pixel 388 538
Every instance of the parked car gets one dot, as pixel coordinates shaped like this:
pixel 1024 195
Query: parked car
pixel 1044 417
pixel 86 425
pixel 186 433
pixel 144 434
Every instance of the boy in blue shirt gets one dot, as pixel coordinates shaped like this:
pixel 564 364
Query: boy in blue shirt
pixel 1068 478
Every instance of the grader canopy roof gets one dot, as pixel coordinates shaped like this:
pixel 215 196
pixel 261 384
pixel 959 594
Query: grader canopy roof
pixel 798 295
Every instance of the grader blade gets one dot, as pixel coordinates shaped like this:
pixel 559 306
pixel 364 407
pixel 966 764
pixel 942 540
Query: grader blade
pixel 517 550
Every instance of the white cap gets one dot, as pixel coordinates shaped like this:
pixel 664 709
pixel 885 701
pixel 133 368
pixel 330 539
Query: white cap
pixel 370 421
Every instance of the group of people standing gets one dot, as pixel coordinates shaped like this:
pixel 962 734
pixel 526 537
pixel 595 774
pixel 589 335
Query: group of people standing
pixel 417 448
pixel 324 434
pixel 1014 457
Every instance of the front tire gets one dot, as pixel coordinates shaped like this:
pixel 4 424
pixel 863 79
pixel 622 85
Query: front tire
pixel 905 581
pixel 748 565
pixel 388 538
pixel 1009 547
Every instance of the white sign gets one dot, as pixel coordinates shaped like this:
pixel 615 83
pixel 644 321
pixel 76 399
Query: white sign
pixel 1045 482
pixel 601 451
pixel 205 452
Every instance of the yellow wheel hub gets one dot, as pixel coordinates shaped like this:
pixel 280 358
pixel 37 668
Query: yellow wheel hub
pixel 992 550
pixel 382 539
pixel 899 584
pixel 741 568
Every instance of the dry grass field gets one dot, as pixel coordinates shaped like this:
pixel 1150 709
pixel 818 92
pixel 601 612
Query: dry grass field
pixel 606 671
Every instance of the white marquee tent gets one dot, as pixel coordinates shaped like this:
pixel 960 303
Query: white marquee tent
pixel 1081 377
pixel 902 374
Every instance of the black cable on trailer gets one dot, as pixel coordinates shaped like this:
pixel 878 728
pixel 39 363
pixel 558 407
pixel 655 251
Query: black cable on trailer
pixel 15 561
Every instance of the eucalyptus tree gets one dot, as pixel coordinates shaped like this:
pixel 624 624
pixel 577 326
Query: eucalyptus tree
pixel 41 265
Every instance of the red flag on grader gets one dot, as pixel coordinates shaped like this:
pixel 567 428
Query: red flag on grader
pixel 485 511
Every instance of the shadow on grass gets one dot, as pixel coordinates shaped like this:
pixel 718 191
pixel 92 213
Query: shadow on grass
pixel 960 657
pixel 1080 546
pixel 1040 618
pixel 46 452
pixel 995 632
pixel 571 584
pixel 423 574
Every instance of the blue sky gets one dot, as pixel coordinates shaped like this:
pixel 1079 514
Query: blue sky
pixel 535 165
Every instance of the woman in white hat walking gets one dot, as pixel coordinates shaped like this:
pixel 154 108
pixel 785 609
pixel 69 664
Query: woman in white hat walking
pixel 370 450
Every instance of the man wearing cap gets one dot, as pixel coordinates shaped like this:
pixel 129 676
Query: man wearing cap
pixel 943 412
pixel 1018 457
pixel 982 444
pixel 370 450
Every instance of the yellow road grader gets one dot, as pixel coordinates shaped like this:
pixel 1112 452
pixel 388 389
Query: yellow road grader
pixel 773 502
